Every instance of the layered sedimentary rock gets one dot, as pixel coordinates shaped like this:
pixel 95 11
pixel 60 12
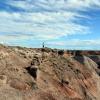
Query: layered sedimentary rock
pixel 33 74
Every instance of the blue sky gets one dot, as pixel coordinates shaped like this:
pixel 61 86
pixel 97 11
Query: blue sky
pixel 66 24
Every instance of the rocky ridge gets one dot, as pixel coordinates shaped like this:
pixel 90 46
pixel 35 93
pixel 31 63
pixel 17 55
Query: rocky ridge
pixel 46 74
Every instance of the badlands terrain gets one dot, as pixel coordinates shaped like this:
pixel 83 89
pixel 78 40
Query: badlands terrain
pixel 48 74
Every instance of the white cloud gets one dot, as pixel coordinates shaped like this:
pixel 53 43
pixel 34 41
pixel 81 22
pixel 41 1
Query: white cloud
pixel 46 20
pixel 41 25
pixel 55 4
pixel 83 4
pixel 76 44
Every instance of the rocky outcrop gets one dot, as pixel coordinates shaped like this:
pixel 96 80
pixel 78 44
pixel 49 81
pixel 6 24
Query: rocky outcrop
pixel 26 75
pixel 19 84
pixel 78 80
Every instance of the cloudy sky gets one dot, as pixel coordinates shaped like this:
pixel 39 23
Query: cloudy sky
pixel 66 24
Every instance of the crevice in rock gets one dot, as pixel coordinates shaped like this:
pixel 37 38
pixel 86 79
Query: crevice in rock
pixel 98 65
pixel 32 72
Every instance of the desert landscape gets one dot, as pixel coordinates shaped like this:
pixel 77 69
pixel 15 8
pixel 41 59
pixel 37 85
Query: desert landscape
pixel 49 49
pixel 49 74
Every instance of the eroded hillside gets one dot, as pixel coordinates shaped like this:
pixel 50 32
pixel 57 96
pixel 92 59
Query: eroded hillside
pixel 44 74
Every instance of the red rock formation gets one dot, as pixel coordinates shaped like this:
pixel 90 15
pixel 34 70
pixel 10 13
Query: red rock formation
pixel 58 77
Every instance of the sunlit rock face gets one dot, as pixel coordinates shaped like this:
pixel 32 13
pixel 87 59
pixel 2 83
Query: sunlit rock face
pixel 34 74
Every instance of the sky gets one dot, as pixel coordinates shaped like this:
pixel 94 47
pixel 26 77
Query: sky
pixel 63 24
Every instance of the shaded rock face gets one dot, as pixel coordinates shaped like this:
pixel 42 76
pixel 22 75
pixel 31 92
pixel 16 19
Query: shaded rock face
pixel 86 61
pixel 60 52
pixel 3 79
pixel 32 72
pixel 53 78
pixel 98 65
pixel 95 58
